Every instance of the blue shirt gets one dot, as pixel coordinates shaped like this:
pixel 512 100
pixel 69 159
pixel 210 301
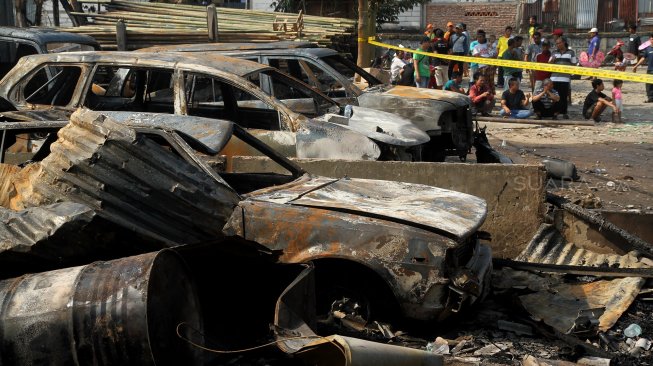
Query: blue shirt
pixel 648 53
pixel 452 82
pixel 594 44
pixel 471 48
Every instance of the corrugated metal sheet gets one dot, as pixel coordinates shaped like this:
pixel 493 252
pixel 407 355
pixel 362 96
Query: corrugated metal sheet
pixel 567 13
pixel 129 180
pixel 645 6
pixel 23 233
pixel 559 307
pixel 548 246
pixel 627 10
pixel 606 14
pixel 586 13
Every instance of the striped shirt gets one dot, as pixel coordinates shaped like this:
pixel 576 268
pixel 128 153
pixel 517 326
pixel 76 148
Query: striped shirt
pixel 563 58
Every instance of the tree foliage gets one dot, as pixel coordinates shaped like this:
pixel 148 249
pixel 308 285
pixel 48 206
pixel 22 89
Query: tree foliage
pixel 387 11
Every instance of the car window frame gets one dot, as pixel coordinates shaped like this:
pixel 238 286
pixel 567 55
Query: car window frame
pixel 286 116
pixel 49 65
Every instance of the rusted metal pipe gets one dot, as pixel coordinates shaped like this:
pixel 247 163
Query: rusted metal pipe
pixel 122 312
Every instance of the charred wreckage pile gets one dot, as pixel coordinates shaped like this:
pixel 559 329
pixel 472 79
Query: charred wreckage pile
pixel 127 239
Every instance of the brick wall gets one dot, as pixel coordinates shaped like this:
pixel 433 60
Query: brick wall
pixel 491 17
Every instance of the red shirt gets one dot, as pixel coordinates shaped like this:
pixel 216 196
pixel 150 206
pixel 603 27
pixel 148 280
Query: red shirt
pixel 542 57
pixel 475 94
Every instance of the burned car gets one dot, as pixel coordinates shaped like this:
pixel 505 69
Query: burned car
pixel 445 116
pixel 289 115
pixel 396 248
pixel 18 42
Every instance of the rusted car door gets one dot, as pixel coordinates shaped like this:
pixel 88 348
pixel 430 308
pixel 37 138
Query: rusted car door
pixel 215 97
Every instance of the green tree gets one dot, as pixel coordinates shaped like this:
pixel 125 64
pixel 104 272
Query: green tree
pixel 386 10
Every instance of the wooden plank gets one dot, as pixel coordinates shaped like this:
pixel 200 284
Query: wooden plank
pixel 542 122
pixel 212 22
pixel 121 35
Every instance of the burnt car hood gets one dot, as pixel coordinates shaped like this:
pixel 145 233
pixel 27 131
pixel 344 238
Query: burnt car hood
pixel 399 91
pixel 380 126
pixel 454 214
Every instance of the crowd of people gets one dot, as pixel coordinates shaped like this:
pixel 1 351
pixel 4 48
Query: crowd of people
pixel 550 93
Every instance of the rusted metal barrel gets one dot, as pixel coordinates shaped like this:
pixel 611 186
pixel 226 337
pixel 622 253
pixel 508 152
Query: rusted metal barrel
pixel 122 312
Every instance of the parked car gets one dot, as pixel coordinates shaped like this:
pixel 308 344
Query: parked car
pixel 445 116
pixel 294 118
pixel 18 42
pixel 393 248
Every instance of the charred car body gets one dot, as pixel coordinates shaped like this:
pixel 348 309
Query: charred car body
pixel 445 116
pixel 289 115
pixel 377 239
pixel 18 42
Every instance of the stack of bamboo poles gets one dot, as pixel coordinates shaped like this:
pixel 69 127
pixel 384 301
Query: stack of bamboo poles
pixel 150 24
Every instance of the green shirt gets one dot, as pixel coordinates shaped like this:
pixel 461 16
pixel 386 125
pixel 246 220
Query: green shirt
pixel 423 63
pixel 510 56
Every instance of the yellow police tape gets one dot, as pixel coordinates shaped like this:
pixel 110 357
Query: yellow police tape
pixel 576 70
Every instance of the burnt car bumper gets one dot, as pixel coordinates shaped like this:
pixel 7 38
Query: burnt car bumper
pixel 468 284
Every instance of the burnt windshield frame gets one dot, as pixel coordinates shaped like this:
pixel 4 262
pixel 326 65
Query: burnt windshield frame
pixel 324 103
pixel 331 60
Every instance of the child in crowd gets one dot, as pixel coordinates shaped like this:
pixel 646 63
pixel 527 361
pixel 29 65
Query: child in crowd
pixel 619 63
pixel 454 84
pixel 616 96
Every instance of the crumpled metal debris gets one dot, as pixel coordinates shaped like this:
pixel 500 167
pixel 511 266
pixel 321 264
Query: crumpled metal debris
pixel 24 234
pixel 128 179
pixel 559 306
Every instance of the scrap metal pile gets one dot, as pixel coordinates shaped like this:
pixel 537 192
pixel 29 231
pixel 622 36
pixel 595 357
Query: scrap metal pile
pixel 151 24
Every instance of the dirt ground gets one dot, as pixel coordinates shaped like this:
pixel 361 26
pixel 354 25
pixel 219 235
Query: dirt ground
pixel 614 161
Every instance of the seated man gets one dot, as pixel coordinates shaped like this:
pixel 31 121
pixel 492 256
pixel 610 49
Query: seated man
pixel 482 95
pixel 596 101
pixel 514 101
pixel 454 84
pixel 545 100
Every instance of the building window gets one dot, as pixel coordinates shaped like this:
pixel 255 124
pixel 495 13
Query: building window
pixel 481 14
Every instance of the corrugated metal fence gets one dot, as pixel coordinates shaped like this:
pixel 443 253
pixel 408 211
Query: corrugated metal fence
pixel 581 15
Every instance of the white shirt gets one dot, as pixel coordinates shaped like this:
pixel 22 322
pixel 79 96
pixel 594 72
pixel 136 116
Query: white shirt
pixel 396 67
pixel 483 50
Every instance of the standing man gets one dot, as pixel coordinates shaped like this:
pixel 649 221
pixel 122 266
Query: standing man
pixel 421 64
pixel 562 82
pixel 441 46
pixel 532 28
pixel 533 49
pixel 511 55
pixel 430 32
pixel 633 40
pixel 594 44
pixel 647 54
pixel 482 49
pixel 459 46
pixel 542 57
pixel 397 66
pixel 450 31
pixel 502 46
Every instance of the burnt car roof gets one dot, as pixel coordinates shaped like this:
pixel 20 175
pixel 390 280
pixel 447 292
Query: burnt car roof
pixel 302 48
pixel 244 46
pixel 47 35
pixel 185 60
